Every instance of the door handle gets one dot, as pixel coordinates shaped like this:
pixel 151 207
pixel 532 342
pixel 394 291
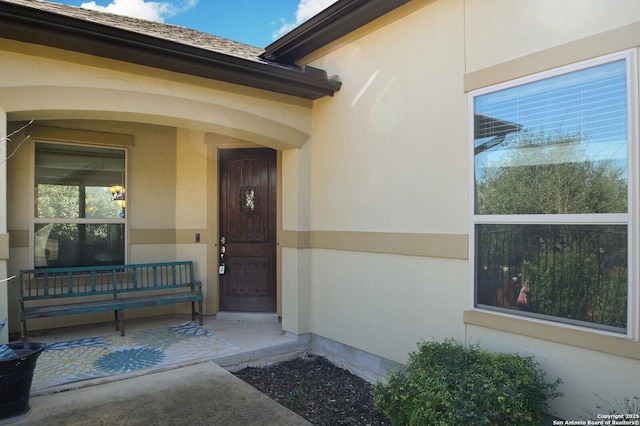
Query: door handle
pixel 223 249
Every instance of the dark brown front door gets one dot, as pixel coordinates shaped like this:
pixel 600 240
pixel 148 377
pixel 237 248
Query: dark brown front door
pixel 248 230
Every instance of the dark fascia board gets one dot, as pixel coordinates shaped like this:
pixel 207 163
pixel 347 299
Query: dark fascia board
pixel 36 26
pixel 336 21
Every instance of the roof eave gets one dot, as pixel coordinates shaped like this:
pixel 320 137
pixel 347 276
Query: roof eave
pixel 336 21
pixel 32 25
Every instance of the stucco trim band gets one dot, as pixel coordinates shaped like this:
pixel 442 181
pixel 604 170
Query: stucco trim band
pixel 571 336
pixel 80 136
pixel 166 236
pixel 617 40
pixel 18 238
pixel 449 246
pixel 4 246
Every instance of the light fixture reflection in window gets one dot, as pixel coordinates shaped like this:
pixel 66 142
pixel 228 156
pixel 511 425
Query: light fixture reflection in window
pixel 118 195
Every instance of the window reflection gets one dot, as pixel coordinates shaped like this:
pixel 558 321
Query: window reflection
pixel 550 195
pixel 77 222
pixel 555 146
pixel 573 272
pixel 63 245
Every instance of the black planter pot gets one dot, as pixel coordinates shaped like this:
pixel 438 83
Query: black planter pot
pixel 16 375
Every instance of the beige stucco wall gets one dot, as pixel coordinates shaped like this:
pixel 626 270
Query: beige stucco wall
pixel 380 179
pixel 544 35
pixel 396 135
pixel 498 31
pixel 174 124
pixel 387 166
pixel 45 83
pixel 4 238
pixel 374 204
pixel 295 252
pixel 156 198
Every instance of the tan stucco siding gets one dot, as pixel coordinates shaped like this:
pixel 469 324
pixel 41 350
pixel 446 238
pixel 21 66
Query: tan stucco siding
pixel 191 180
pixel 152 180
pixel 166 178
pixel 542 36
pixel 388 206
pixel 498 31
pixel 425 245
pixel 174 123
pixel 57 84
pixel 375 204
pixel 388 165
pixel 383 148
pixel 384 304
pixel 4 237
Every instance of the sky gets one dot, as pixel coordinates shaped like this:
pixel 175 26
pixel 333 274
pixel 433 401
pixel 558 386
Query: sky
pixel 254 22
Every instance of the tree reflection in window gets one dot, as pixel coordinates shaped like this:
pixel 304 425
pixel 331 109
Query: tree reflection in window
pixel 551 184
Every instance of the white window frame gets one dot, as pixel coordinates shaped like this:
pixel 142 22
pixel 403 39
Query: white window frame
pixel 34 221
pixel 630 218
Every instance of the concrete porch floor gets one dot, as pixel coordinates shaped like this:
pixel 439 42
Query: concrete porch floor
pixel 201 391
pixel 259 337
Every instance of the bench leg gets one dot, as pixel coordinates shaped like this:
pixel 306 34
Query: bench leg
pixel 200 311
pixel 121 321
pixel 23 330
pixel 115 314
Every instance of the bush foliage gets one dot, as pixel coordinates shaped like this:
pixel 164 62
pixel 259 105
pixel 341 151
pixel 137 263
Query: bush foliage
pixel 448 384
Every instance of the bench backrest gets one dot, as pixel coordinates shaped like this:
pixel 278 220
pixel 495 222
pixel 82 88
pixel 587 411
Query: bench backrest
pixel 39 284
pixel 156 276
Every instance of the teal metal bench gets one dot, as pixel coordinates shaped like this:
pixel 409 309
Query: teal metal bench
pixel 79 290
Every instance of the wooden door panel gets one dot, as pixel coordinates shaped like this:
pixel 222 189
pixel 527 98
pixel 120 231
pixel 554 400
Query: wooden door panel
pixel 248 225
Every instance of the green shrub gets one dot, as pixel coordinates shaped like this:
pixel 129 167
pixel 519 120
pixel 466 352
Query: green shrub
pixel 448 384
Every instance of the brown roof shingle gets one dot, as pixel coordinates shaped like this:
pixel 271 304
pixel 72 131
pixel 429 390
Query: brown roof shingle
pixel 173 33
pixel 157 45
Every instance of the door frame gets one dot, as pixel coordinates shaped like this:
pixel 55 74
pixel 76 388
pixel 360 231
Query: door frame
pixel 215 143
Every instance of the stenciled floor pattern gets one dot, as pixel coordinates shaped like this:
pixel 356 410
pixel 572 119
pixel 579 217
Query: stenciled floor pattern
pixel 89 358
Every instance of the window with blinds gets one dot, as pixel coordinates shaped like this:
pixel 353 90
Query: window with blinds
pixel 551 187
pixel 77 219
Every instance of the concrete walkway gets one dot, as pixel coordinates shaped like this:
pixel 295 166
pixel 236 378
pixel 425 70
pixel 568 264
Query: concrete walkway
pixel 197 393
pixel 202 394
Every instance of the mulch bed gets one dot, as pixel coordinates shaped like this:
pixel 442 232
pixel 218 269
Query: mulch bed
pixel 317 390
